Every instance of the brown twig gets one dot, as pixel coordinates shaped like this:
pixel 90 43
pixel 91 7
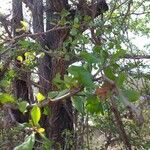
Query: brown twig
pixel 47 101
pixel 120 125
pixel 13 40
pixel 5 23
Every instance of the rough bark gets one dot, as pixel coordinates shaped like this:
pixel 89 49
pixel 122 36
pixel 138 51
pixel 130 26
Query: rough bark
pixel 61 118
pixel 61 113
pixel 17 16
pixel 120 125
pixel 20 86
pixel 45 62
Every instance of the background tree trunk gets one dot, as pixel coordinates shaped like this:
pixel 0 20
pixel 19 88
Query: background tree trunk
pixel 61 112
pixel 61 119
pixel 20 86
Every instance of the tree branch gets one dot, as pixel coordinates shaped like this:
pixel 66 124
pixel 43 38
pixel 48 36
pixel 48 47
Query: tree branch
pixel 120 125
pixel 128 56
pixel 5 23
pixel 47 101
pixel 65 96
pixel 13 40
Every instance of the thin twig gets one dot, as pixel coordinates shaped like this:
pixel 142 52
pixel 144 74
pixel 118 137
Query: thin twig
pixel 13 40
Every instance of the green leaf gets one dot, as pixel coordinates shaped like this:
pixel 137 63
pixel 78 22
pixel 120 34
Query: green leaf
pixel 11 73
pixel 24 25
pixel 27 144
pixel 46 110
pixel 120 53
pixel 22 106
pixel 20 58
pixel 82 75
pixel 61 93
pixel 47 144
pixel 78 103
pixel 97 48
pixel 6 98
pixel 132 95
pixel 109 73
pixel 57 94
pixel 68 81
pixel 76 26
pixel 94 105
pixel 58 81
pixel 121 78
pixel 40 130
pixel 64 13
pixel 35 114
pixel 111 45
pixel 89 57
pixel 76 20
pixel 73 32
pixel 87 18
pixel 40 97
pixel 74 70
pixel 52 94
pixel 85 78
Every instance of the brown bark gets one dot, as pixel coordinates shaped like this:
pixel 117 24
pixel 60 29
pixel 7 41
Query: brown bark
pixel 61 119
pixel 45 62
pixel 20 86
pixel 17 16
pixel 61 112
pixel 120 125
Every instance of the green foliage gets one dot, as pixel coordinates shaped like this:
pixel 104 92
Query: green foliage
pixel 46 110
pixel 78 103
pixel 73 32
pixel 89 57
pixel 7 80
pixel 22 106
pixel 82 75
pixel 93 105
pixel 40 97
pixel 132 95
pixel 70 82
pixel 118 54
pixel 30 60
pixel 6 98
pixel 58 81
pixel 20 58
pixel 27 144
pixel 121 79
pixel 109 72
pixel 61 93
pixel 35 115
pixel 27 44
pixel 55 94
pixel 47 144
pixel 100 53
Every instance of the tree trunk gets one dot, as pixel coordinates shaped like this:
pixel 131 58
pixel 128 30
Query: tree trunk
pixel 61 119
pixel 20 86
pixel 61 112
